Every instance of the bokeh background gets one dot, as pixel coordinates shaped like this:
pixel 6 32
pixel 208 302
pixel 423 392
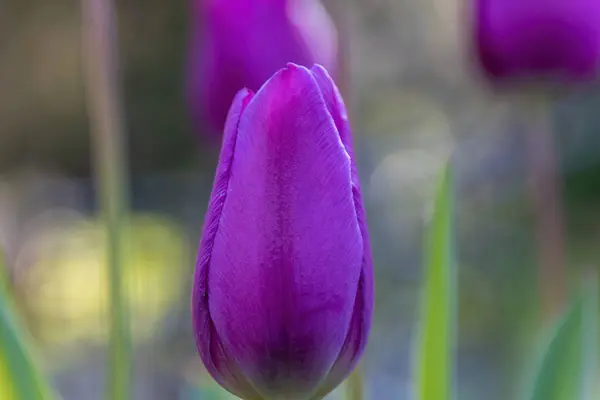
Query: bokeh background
pixel 415 98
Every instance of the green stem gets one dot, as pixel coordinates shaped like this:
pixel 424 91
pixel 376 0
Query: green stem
pixel 105 111
pixel 590 332
pixel 546 196
pixel 355 385
pixel 4 274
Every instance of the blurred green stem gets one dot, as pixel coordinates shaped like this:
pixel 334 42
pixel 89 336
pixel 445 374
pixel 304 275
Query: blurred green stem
pixel 355 385
pixel 4 274
pixel 546 196
pixel 105 112
pixel 590 288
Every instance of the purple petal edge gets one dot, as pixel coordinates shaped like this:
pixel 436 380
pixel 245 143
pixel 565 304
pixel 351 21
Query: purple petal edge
pixel 218 363
pixel 363 308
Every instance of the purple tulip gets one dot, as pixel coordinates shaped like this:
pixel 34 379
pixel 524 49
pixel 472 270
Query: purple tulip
pixel 241 43
pixel 283 288
pixel 532 39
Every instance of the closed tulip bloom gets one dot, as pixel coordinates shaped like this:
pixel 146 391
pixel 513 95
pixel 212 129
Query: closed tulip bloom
pixel 283 287
pixel 532 39
pixel 240 44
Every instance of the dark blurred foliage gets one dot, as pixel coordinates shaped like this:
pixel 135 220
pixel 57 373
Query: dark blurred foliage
pixel 42 98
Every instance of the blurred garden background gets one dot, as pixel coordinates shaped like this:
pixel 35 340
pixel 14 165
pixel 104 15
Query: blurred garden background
pixel 414 98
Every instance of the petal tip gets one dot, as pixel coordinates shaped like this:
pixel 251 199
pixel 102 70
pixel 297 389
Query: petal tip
pixel 239 103
pixel 318 68
pixel 293 68
pixel 322 75
pixel 292 72
pixel 244 95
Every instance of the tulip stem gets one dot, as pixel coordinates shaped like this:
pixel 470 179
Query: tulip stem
pixel 4 273
pixel 546 196
pixel 105 111
pixel 355 385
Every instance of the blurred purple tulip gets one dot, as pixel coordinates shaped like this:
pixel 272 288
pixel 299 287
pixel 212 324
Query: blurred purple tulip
pixel 283 288
pixel 532 39
pixel 238 44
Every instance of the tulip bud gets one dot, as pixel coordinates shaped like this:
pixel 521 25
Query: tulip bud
pixel 283 288
pixel 538 39
pixel 241 43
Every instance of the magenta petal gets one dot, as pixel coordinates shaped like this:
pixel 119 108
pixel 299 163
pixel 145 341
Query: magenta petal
pixel 518 39
pixel 216 358
pixel 288 254
pixel 363 308
pixel 242 43
pixel 337 109
pixel 235 54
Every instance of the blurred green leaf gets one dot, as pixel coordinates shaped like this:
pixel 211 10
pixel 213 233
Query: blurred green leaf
pixel 19 376
pixel 434 364
pixel 568 367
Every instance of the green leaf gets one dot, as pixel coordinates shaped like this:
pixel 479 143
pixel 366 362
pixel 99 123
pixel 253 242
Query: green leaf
pixel 434 362
pixel 568 367
pixel 19 376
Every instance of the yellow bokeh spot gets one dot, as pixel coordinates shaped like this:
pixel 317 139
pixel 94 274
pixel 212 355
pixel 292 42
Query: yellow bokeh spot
pixel 67 286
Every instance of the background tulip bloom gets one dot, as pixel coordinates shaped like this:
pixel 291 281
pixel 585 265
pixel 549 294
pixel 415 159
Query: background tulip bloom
pixel 283 288
pixel 519 39
pixel 241 43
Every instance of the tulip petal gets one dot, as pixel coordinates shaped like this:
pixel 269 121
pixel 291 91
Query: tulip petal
pixel 236 55
pixel 215 356
pixel 288 253
pixel 227 49
pixel 363 308
pixel 337 109
pixel 518 39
